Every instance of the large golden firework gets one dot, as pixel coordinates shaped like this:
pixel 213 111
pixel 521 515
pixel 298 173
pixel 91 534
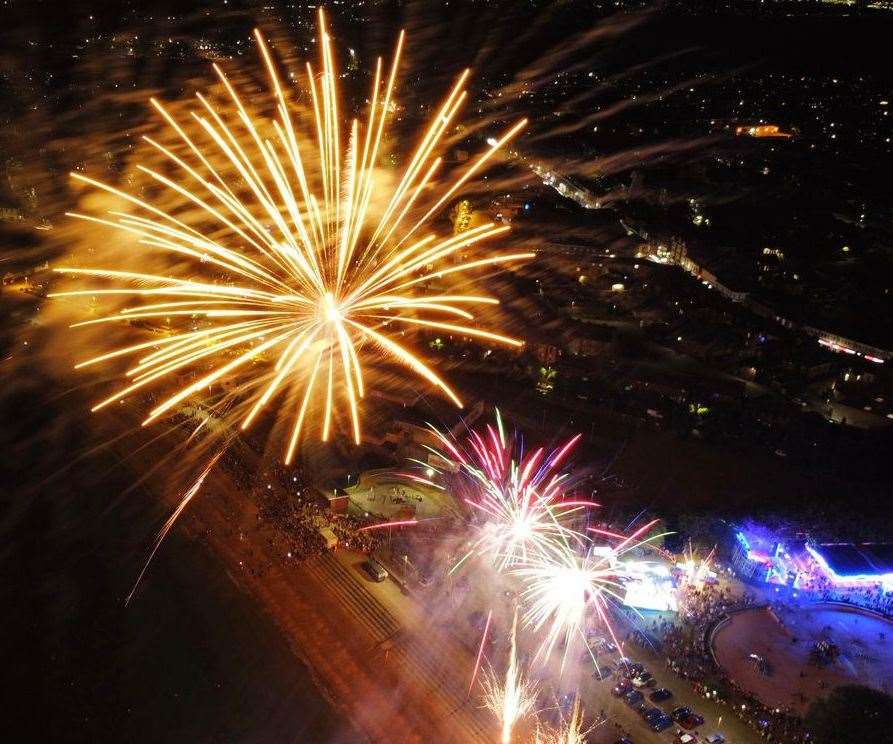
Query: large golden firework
pixel 295 269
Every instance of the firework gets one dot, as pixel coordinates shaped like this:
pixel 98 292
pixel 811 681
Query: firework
pixel 563 585
pixel 695 567
pixel 512 697
pixel 572 731
pixel 517 498
pixel 185 499
pixel 295 287
pixel 561 588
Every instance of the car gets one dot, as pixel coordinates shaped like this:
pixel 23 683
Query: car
pixel 624 740
pixel 716 738
pixel 621 688
pixel 680 712
pixel 603 672
pixel 566 702
pixel 633 698
pixel 684 738
pixel 661 722
pixel 660 694
pixel 425 580
pixel 650 712
pixel 631 670
pixel 644 680
pixel 691 721
pixel 375 570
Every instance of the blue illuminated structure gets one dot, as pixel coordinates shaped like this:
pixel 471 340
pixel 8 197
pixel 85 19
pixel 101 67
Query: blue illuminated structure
pixel 749 563
pixel 760 554
pixel 846 563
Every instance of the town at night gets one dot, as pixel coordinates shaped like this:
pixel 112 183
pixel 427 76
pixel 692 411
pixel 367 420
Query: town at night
pixel 446 371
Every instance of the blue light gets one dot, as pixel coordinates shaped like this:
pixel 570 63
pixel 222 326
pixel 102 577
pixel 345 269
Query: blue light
pixel 884 578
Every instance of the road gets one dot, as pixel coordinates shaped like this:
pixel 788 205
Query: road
pixel 373 653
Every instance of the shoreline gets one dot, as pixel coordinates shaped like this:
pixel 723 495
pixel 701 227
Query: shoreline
pixel 351 666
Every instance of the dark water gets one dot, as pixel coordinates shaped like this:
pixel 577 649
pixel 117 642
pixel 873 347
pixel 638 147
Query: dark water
pixel 192 659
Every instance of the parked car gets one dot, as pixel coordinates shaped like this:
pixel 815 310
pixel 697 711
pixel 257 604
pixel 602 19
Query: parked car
pixel 633 698
pixel 685 738
pixel 375 570
pixel 566 702
pixel 603 671
pixel 691 721
pixel 622 687
pixel 661 722
pixel 649 712
pixel 716 738
pixel 660 694
pixel 680 712
pixel 644 680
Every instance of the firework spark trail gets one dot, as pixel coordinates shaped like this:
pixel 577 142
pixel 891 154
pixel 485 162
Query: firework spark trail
pixel 383 525
pixel 190 493
pixel 510 698
pixel 572 731
pixel 480 656
pixel 518 498
pixel 304 273
pixel 520 524
pixel 477 661
pixel 696 568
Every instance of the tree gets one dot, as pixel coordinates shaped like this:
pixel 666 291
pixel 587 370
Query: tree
pixel 851 714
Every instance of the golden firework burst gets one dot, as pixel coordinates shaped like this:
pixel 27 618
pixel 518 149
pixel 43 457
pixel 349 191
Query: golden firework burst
pixel 296 271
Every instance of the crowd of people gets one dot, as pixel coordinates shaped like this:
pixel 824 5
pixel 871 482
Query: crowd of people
pixel 286 501
pixel 871 597
pixel 685 643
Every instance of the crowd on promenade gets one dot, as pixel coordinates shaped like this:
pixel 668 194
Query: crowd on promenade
pixel 286 500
